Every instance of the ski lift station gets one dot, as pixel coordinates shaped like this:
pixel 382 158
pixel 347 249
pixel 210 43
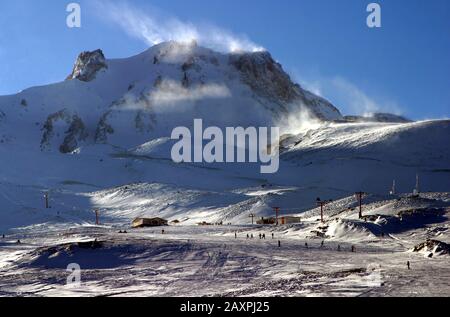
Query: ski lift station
pixel 149 222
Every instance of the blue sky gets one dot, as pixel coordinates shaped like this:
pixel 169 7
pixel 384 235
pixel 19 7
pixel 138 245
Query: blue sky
pixel 402 67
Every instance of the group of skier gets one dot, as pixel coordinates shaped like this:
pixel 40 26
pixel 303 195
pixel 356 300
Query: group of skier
pixel 262 236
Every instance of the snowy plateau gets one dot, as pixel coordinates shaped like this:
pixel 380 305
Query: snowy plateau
pixel 100 140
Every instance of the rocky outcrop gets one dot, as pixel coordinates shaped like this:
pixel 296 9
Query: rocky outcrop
pixel 378 117
pixel 87 66
pixel 75 133
pixel 103 129
pixel 433 247
pixel 48 128
pixel 265 76
pixel 267 79
pixel 145 118
pixel 140 107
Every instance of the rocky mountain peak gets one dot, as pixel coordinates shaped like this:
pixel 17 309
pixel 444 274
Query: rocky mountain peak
pixel 260 71
pixel 267 79
pixel 87 65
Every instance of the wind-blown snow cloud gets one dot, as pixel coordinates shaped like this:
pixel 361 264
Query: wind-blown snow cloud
pixel 172 96
pixel 358 101
pixel 348 97
pixel 171 92
pixel 153 28
pixel 298 122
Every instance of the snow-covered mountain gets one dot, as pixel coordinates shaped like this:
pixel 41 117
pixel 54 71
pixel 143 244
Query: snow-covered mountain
pixel 100 139
pixel 130 101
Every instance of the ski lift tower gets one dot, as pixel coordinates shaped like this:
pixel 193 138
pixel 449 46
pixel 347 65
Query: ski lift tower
pixel 322 204
pixel 277 213
pixel 359 196
pixel 97 220
pixel 253 218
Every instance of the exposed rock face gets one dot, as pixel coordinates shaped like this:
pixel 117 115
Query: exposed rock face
pixel 378 117
pixel 265 76
pixel 433 247
pixel 142 112
pixel 88 64
pixel 103 129
pixel 75 133
pixel 145 118
pixel 48 128
pixel 267 79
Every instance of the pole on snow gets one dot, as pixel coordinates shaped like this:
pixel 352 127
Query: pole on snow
pixel 359 197
pixel 46 200
pixel 97 221
pixel 322 204
pixel 253 217
pixel 277 212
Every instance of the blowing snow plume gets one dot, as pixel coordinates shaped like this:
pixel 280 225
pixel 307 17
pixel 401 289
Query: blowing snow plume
pixel 299 121
pixel 154 28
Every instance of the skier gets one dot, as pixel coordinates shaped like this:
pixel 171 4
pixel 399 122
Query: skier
pixel 353 248
pixel 251 236
pixel 260 236
pixel 306 245
pixel 409 265
pixel 248 236
pixel 163 231
pixel 321 245
pixel 273 236
pixel 235 235
pixel 279 243
pixel 339 248
pixel 264 236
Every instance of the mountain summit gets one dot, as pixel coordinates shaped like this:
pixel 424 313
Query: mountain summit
pixel 87 65
pixel 126 102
